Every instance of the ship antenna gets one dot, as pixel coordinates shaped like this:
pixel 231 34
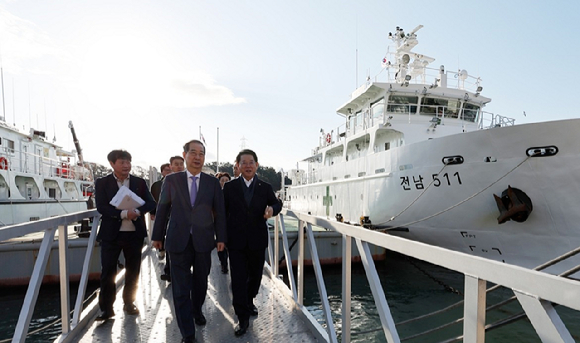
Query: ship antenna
pixel 3 99
pixel 356 54
pixel 13 104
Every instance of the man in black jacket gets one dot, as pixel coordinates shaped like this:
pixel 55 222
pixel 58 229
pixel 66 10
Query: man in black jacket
pixel 120 230
pixel 249 202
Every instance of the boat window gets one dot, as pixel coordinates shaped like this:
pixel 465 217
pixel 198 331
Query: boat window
pixel 359 119
pixel 9 145
pixel 402 104
pixel 377 109
pixel 470 112
pixel 448 108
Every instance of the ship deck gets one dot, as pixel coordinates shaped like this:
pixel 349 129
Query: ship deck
pixel 278 318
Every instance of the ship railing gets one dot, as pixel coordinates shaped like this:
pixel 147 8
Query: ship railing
pixel 50 227
pixel 335 135
pixel 537 292
pixel 427 75
pixel 490 120
pixel 37 164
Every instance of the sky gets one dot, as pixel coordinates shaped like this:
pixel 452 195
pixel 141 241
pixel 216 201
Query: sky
pixel 146 76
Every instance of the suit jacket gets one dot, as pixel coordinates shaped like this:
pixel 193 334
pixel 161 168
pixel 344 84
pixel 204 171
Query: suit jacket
pixel 155 191
pixel 246 224
pixel 105 189
pixel 205 220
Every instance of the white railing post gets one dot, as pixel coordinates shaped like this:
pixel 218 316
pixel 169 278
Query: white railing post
pixel 270 250
pixel 300 262
pixel 378 293
pixel 474 310
pixel 544 318
pixel 64 278
pixel 33 287
pixel 85 272
pixel 276 245
pixel 288 258
pixel 346 287
pixel 321 286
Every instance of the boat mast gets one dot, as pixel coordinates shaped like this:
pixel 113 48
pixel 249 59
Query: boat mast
pixel 3 100
pixel 76 142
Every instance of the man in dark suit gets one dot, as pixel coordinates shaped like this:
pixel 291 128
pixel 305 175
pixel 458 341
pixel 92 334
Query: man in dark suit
pixel 120 230
pixel 155 191
pixel 156 186
pixel 249 202
pixel 193 203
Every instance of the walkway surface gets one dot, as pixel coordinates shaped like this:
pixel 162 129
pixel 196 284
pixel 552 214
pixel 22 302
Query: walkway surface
pixel 278 321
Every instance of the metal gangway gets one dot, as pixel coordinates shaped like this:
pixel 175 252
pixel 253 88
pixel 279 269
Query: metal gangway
pixel 537 292
pixel 280 317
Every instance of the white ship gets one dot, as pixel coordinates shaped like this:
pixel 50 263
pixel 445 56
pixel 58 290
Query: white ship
pixel 38 179
pixel 418 157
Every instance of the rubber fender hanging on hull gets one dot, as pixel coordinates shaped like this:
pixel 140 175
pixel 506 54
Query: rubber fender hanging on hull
pixel 514 205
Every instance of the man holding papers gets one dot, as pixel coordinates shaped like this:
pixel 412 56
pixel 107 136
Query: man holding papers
pixel 122 200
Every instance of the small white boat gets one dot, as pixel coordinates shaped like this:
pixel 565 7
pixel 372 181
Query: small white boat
pixel 38 179
pixel 418 157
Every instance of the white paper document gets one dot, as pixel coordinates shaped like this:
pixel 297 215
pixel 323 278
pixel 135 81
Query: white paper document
pixel 126 199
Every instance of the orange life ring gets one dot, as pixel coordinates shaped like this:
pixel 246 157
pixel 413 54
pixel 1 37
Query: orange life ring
pixel 3 163
pixel 328 138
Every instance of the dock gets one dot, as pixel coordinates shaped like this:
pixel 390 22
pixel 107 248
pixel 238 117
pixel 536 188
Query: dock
pixel 282 314
pixel 277 320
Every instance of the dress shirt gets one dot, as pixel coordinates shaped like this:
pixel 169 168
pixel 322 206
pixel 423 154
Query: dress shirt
pixel 126 224
pixel 248 183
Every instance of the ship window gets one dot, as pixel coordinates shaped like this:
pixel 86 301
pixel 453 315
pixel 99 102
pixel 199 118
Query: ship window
pixel 9 146
pixel 432 106
pixel 402 104
pixel 470 112
pixel 377 109
pixel 448 108
pixel 388 146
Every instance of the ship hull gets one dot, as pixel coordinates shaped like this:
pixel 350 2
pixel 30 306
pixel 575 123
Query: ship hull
pixel 410 190
pixel 14 212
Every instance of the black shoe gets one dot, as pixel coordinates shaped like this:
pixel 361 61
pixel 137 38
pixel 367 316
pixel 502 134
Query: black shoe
pixel 189 339
pixel 200 320
pixel 242 327
pixel 224 269
pixel 105 316
pixel 131 309
pixel 253 310
pixel 166 277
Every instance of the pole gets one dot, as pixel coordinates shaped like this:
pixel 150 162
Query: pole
pixel 217 167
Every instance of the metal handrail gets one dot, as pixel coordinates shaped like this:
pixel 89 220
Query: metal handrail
pixel 535 290
pixel 50 227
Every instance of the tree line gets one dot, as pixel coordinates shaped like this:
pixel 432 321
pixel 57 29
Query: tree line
pixel 265 173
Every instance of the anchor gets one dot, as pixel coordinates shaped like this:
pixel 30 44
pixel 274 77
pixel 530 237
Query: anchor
pixel 514 205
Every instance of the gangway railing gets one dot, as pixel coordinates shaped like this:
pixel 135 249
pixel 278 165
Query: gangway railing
pixel 50 226
pixel 537 292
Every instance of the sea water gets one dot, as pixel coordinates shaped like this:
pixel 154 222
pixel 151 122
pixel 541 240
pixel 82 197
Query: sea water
pixel 413 288
pixel 46 317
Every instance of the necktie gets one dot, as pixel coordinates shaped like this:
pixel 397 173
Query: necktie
pixel 193 192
